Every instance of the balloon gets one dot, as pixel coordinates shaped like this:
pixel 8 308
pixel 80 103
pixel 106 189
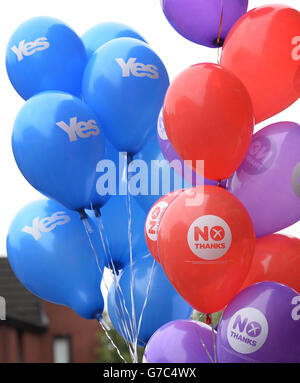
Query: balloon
pixel 181 341
pixel 267 182
pixel 206 243
pixel 266 62
pixel 111 175
pixel 49 251
pixel 115 217
pixel 45 54
pixel 102 33
pixel 158 178
pixel 181 168
pixel 125 83
pixel 261 324
pixel 57 141
pixel 163 303
pixel 208 116
pixel 276 258
pixel 200 21
pixel 153 220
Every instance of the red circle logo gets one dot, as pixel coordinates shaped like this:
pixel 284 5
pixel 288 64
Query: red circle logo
pixel 156 212
pixel 217 233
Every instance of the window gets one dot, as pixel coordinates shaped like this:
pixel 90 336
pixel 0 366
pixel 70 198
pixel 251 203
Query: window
pixel 61 349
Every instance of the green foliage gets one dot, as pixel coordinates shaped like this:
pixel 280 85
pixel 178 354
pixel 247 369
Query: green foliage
pixel 106 352
pixel 202 317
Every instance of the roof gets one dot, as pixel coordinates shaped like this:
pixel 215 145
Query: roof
pixel 23 309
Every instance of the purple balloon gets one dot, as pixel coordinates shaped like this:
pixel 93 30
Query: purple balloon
pixel 268 181
pixel 199 20
pixel 180 167
pixel 181 341
pixel 261 325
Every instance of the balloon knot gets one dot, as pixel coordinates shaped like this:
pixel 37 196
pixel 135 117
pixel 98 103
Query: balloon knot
pixel 219 42
pixel 129 158
pixel 82 214
pixel 208 319
pixel 97 212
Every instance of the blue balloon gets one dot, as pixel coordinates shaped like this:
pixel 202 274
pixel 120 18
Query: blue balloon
pixel 164 303
pixel 101 193
pixel 57 142
pixel 162 178
pixel 115 218
pixel 45 54
pixel 125 83
pixel 102 33
pixel 50 253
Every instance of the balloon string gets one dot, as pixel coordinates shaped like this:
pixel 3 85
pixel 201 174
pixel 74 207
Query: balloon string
pixel 117 287
pixel 88 231
pixel 111 341
pixel 213 337
pixel 135 334
pixel 128 201
pixel 205 348
pixel 147 296
pixel 203 343
pixel 219 33
pixel 227 184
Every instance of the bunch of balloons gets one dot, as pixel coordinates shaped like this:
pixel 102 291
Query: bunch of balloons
pixel 101 119
pixel 92 104
pixel 260 325
pixel 215 244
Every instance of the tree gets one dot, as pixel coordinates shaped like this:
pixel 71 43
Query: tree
pixel 107 353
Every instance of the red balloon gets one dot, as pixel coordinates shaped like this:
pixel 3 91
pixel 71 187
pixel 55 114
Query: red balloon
pixel 153 221
pixel 206 242
pixel 263 50
pixel 208 116
pixel 276 258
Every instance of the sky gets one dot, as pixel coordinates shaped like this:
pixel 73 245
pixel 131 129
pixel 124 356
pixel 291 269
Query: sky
pixel 148 19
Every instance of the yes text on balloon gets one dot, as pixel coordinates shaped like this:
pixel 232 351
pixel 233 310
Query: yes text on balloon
pixel 138 69
pixel 82 129
pixel 29 48
pixel 46 224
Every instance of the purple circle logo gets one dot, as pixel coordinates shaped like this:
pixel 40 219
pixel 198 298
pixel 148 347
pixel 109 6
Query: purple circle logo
pixel 253 329
pixel 247 330
pixel 260 156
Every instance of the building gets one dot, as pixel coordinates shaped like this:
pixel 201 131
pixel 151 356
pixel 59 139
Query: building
pixel 37 331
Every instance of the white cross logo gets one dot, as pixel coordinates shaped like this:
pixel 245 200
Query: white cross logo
pixel 253 329
pixel 217 233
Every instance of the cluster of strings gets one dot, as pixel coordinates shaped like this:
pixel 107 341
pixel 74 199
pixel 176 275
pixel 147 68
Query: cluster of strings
pixel 130 324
